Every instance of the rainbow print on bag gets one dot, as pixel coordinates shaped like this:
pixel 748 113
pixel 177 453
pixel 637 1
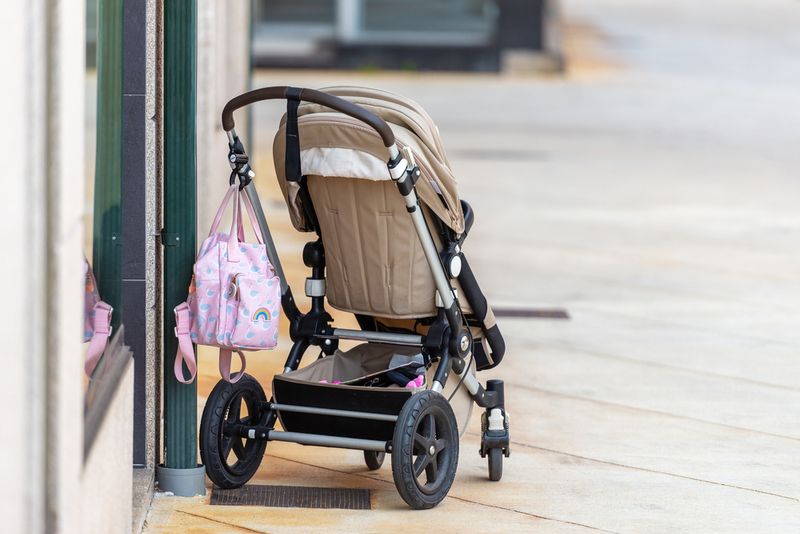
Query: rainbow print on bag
pixel 261 314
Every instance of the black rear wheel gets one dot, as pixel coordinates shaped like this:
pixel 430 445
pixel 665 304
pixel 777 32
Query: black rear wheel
pixel 374 459
pixel 231 460
pixel 425 450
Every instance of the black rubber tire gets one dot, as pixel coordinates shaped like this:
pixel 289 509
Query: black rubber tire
pixel 426 420
pixel 374 459
pixel 495 457
pixel 216 448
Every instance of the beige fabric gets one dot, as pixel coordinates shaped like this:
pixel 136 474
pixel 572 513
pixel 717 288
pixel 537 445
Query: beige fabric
pixel 412 115
pixel 489 319
pixel 375 262
pixel 361 360
pixel 369 358
pixel 330 161
pixel 320 127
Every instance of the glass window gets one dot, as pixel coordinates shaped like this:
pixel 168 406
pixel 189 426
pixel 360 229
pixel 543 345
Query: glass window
pixel 295 11
pixel 429 15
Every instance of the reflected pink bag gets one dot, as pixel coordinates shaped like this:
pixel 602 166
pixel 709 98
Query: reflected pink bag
pixel 97 320
pixel 234 297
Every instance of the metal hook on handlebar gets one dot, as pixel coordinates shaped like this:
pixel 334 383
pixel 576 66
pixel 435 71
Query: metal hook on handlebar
pixel 239 161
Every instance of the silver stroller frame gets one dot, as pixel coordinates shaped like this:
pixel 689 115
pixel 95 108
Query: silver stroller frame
pixel 452 342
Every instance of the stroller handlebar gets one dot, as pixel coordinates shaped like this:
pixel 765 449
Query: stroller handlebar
pixel 309 95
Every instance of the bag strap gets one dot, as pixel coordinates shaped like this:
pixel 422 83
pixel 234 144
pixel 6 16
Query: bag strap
pixel 240 230
pixel 225 364
pixel 185 354
pixel 221 210
pixel 237 220
pixel 101 324
pixel 233 238
pixel 251 213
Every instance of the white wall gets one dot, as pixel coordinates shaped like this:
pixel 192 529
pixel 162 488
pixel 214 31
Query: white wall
pixel 41 157
pixel 45 483
pixel 63 324
pixel 21 494
pixel 223 33
pixel 107 476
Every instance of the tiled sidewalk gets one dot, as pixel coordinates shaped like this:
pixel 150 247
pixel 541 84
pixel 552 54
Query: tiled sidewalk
pixel 657 202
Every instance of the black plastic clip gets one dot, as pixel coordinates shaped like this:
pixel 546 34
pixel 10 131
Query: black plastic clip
pixel 239 161
pixel 245 175
pixel 412 175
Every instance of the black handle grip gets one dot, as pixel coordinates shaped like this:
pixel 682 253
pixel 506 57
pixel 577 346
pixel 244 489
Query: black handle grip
pixel 309 95
pixel 496 343
pixel 477 301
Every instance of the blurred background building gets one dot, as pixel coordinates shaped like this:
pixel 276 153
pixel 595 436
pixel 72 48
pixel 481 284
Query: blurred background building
pixel 467 35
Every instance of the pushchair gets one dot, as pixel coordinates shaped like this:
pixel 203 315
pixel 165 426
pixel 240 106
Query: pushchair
pixel 396 262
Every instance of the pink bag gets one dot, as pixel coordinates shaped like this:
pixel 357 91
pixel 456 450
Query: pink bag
pixel 234 297
pixel 97 320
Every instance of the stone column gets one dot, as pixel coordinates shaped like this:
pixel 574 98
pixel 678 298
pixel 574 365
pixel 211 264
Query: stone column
pixel 223 71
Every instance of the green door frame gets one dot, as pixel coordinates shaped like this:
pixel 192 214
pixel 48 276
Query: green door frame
pixel 107 223
pixel 180 214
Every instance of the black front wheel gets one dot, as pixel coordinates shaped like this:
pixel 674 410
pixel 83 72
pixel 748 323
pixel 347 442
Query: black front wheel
pixel 231 460
pixel 425 450
pixel 495 464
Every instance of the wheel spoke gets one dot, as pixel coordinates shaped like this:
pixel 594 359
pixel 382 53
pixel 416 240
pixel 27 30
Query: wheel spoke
pixel 424 441
pixel 430 424
pixel 432 470
pixel 238 448
pixel 421 463
pixel 227 444
pixel 421 443
pixel 233 413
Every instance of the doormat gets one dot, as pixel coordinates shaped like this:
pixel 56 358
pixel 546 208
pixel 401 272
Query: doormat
pixel 293 497
pixel 532 313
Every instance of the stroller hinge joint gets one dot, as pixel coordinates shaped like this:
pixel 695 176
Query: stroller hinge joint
pixel 406 185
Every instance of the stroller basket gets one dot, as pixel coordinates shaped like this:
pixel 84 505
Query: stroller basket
pixel 305 388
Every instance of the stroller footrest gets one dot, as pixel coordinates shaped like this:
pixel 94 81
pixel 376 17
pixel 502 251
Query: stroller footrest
pixel 330 441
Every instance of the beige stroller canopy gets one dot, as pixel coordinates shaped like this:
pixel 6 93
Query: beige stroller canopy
pixel 335 145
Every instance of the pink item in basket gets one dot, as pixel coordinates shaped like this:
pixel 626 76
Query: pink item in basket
pixel 234 297
pixel 417 382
